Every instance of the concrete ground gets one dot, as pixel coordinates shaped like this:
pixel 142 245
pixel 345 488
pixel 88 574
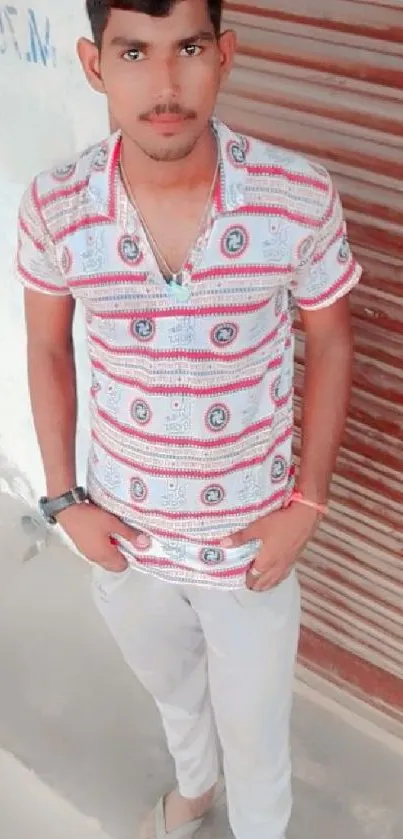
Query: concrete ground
pixel 81 749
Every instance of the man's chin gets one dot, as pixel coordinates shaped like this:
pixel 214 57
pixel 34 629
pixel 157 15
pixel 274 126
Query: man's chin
pixel 169 152
pixel 168 147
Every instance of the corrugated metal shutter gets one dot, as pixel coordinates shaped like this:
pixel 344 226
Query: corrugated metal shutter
pixel 326 79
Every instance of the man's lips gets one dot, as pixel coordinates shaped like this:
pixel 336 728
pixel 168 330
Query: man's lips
pixel 167 119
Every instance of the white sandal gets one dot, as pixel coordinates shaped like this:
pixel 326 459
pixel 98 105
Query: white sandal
pixel 187 830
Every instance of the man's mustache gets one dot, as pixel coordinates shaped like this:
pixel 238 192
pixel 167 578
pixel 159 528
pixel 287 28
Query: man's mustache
pixel 169 108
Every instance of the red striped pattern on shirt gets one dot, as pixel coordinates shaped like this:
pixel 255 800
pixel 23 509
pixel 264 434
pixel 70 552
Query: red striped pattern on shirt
pixel 205 474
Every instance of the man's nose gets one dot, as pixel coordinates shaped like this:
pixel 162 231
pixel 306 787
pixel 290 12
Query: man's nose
pixel 166 80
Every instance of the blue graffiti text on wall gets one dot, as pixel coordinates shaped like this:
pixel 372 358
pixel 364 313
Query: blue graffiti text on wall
pixel 23 36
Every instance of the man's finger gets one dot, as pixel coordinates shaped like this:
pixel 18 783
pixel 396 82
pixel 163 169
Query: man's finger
pixel 262 576
pixel 136 537
pixel 256 573
pixel 266 584
pixel 241 537
pixel 270 581
pixel 114 560
pixel 253 577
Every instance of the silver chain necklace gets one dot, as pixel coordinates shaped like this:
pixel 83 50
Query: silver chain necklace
pixel 172 278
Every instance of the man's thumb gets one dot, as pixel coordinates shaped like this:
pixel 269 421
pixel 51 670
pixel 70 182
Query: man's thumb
pixel 239 538
pixel 136 537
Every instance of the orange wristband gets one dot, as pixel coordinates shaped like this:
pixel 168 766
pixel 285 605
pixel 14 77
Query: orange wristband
pixel 299 498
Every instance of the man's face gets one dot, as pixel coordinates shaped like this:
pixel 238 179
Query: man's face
pixel 161 75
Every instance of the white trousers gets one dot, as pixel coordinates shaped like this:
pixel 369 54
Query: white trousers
pixel 222 661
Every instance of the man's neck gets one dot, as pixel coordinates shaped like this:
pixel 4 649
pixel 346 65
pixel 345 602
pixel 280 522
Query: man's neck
pixel 187 173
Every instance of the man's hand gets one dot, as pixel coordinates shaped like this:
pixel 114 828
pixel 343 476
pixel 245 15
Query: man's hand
pixel 93 532
pixel 283 536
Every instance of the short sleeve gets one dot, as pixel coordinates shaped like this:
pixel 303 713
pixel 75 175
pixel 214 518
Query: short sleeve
pixel 330 271
pixel 36 261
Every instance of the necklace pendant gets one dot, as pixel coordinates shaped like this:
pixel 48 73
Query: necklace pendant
pixel 176 289
pixel 179 292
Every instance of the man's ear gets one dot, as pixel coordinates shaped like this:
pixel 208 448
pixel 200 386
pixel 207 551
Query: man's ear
pixel 227 44
pixel 88 54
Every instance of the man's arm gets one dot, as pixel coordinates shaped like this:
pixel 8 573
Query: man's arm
pixel 326 393
pixel 320 288
pixel 327 383
pixel 52 385
pixel 49 312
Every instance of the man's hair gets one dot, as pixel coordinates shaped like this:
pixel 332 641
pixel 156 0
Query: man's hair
pixel 99 10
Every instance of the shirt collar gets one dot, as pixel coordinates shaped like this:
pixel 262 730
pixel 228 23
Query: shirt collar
pixel 104 174
pixel 233 150
pixel 230 197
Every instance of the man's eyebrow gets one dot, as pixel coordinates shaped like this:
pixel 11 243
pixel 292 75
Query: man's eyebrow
pixel 128 43
pixel 201 35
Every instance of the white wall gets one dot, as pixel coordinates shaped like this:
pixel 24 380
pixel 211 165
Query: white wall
pixel 47 112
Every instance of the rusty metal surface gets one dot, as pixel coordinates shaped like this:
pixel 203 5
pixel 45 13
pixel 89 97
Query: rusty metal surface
pixel 326 79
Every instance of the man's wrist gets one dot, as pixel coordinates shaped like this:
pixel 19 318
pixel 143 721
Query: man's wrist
pixel 315 491
pixel 60 485
pixel 303 514
pixel 300 498
pixel 52 507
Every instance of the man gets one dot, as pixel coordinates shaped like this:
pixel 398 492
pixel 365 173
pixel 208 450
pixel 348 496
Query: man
pixel 184 243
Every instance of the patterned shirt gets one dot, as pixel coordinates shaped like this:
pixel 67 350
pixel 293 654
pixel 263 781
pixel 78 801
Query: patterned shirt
pixel 192 385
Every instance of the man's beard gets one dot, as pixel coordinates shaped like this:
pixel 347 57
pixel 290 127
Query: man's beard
pixel 170 155
pixel 169 149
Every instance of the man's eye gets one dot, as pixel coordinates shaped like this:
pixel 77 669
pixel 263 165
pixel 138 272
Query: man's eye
pixel 191 50
pixel 133 55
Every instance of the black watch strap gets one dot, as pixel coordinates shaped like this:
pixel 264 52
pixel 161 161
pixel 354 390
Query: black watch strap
pixel 51 507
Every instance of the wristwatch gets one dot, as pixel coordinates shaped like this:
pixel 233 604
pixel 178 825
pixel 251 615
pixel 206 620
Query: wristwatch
pixel 51 507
